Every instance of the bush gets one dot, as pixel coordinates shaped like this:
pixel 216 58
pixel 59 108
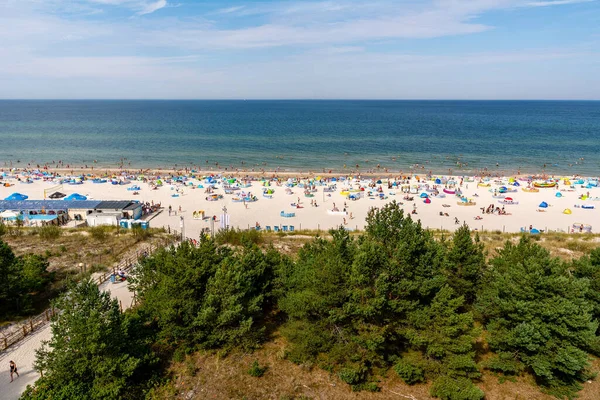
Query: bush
pixel 353 375
pixel 238 237
pixel 49 232
pixel 99 233
pixel 141 234
pixel 409 373
pixel 3 229
pixel 447 388
pixel 256 370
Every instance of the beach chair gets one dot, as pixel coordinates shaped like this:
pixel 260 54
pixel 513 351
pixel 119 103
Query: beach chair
pixel 276 228
pixel 268 228
pixel 285 228
pixel 291 228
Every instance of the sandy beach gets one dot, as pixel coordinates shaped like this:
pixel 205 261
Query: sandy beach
pixel 444 210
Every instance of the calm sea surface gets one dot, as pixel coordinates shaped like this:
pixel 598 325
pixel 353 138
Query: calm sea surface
pixel 302 135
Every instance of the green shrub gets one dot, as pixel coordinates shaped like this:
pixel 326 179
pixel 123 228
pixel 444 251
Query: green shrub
pixel 256 370
pixel 367 387
pixel 99 233
pixel 409 373
pixel 237 237
pixel 141 234
pixel 49 232
pixel 353 375
pixel 3 229
pixel 447 388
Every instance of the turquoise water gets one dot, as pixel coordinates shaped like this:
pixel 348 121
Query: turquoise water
pixel 302 135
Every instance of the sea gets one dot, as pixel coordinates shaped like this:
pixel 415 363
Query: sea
pixel 462 137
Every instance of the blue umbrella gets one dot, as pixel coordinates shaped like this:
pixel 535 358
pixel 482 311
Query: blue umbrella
pixel 76 197
pixel 17 196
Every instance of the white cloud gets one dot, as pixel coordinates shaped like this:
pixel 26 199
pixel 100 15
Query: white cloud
pixel 229 10
pixel 152 7
pixel 556 3
pixel 331 43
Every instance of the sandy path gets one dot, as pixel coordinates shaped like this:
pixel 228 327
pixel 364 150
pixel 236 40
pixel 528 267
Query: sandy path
pixel 23 353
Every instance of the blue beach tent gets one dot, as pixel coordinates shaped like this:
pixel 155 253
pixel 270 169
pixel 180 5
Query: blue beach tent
pixel 558 194
pixel 75 197
pixel 543 204
pixel 534 231
pixel 424 195
pixel 17 196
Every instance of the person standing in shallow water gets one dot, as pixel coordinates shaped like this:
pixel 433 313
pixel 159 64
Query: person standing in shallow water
pixel 13 370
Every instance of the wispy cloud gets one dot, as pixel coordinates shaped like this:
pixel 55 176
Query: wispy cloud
pixel 556 2
pixel 152 7
pixel 140 7
pixel 229 10
pixel 331 48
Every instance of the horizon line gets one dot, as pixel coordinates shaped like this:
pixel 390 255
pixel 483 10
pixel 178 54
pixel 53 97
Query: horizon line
pixel 278 99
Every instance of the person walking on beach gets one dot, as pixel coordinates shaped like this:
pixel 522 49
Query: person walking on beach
pixel 170 209
pixel 13 369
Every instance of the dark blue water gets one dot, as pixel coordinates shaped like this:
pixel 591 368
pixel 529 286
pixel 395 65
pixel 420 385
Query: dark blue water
pixel 299 135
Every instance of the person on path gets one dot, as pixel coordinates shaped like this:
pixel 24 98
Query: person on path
pixel 13 370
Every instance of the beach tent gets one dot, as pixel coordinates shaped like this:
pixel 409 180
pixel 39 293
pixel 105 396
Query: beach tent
pixel 57 195
pixel 567 211
pixel 427 201
pixel 438 181
pixel 424 195
pixel 75 197
pixel 543 204
pixel 516 184
pixel 534 231
pixel 17 196
pixel 558 194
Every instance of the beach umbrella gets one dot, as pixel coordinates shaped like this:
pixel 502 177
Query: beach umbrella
pixel 17 196
pixel 8 214
pixel 543 204
pixel 57 195
pixel 516 184
pixel 558 194
pixel 567 211
pixel 75 197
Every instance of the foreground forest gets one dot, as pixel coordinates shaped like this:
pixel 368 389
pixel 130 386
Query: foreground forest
pixel 392 300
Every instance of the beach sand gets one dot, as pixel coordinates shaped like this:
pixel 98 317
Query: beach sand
pixel 267 212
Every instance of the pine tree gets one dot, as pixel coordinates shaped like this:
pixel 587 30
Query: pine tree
pixel 466 262
pixel 537 317
pixel 90 354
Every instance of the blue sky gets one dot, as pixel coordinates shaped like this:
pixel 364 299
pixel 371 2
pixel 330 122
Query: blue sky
pixel 377 49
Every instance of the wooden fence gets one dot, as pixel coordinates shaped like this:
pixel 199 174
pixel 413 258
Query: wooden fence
pixel 19 331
